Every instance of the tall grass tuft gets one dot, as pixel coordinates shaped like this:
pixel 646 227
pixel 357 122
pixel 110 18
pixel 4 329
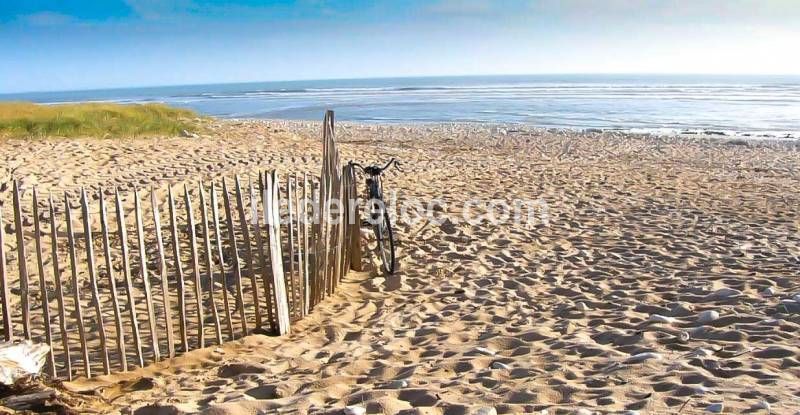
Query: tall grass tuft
pixel 23 119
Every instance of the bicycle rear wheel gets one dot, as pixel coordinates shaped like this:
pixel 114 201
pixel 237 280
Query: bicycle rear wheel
pixel 385 237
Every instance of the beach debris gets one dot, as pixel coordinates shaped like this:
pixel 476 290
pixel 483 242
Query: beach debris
pixel 486 410
pixel 483 350
pixel 355 410
pixel 500 366
pixel 19 360
pixel 715 408
pixel 658 318
pixel 723 294
pixel 641 357
pixel 707 316
pixel 188 134
pixel 397 384
pixel 684 336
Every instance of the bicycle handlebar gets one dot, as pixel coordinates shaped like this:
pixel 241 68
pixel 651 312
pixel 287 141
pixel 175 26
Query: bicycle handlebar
pixel 376 169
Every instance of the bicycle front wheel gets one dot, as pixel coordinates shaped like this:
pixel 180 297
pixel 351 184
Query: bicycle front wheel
pixel 385 237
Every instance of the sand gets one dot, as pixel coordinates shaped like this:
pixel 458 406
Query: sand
pixel 663 281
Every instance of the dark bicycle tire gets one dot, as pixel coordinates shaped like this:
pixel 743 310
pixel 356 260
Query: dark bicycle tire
pixel 386 244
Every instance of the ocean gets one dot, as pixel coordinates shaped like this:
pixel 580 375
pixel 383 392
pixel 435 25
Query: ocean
pixel 767 106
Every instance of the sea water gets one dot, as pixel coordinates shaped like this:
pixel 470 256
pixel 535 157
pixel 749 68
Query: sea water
pixel 729 104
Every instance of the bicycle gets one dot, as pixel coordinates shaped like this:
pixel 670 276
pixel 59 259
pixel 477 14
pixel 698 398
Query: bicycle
pixel 379 216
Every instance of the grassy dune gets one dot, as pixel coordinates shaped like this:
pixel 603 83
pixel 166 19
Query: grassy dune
pixel 22 119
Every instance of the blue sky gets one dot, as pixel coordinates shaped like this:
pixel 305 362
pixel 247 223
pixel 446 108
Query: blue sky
pixel 80 44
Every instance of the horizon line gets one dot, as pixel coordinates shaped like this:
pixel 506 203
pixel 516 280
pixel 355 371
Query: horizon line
pixel 121 88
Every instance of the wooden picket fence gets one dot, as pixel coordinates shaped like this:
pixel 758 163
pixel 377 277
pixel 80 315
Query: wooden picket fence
pixel 280 248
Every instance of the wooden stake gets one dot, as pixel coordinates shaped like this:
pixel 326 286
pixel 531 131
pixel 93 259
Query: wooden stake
pixel 209 264
pixel 76 288
pixel 90 264
pixel 62 312
pixel 306 270
pixel 162 267
pixel 237 270
pixel 176 253
pixel 281 303
pixel 262 261
pixel 8 326
pixel 299 249
pixel 23 264
pixel 126 270
pixel 48 334
pixel 248 251
pixel 290 227
pixel 123 360
pixel 148 296
pixel 198 289
pixel 224 275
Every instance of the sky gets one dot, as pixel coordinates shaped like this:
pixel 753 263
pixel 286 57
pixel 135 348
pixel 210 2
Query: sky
pixel 49 45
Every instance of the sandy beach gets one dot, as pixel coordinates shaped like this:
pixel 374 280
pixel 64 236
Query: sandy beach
pixel 663 280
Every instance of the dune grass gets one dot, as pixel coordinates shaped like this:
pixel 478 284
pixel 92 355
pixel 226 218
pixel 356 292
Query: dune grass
pixel 23 119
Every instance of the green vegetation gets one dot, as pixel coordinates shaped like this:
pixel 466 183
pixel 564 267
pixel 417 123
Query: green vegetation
pixel 23 119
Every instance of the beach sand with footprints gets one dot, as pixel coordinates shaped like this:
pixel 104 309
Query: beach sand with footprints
pixel 664 277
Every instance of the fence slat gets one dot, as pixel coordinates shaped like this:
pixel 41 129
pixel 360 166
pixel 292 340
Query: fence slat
pixel 123 361
pixel 290 228
pixel 126 270
pixel 48 334
pixel 162 268
pixel 224 275
pixel 148 295
pixel 76 291
pixel 22 262
pixel 281 303
pixel 209 264
pixel 62 312
pixel 248 251
pixel 5 290
pixel 306 276
pixel 316 240
pixel 90 264
pixel 339 233
pixel 262 260
pixel 237 269
pixel 299 248
pixel 198 289
pixel 176 253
